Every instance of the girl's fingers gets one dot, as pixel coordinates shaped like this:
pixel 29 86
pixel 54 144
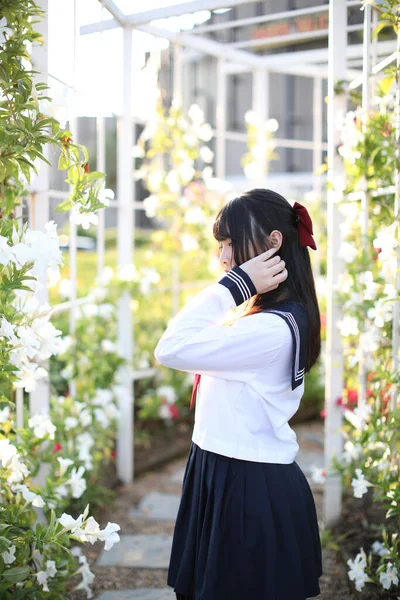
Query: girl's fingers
pixel 266 255
pixel 277 268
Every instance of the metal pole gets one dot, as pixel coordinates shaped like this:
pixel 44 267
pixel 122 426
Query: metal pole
pixel 261 107
pixel 221 119
pixel 396 306
pixel 125 227
pixel 101 166
pixel 362 370
pixel 334 350
pixel 178 73
pixel 317 156
pixel 39 210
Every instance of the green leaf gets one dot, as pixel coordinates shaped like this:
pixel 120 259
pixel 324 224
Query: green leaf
pixel 387 83
pixel 381 26
pixel 93 176
pixel 16 574
pixel 4 544
pixel 64 206
pixel 63 162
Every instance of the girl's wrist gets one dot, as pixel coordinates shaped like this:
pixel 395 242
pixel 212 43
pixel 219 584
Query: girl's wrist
pixel 239 284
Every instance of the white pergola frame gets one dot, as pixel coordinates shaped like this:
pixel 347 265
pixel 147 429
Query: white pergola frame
pixel 328 63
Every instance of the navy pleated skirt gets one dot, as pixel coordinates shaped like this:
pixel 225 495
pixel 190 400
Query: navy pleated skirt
pixel 244 530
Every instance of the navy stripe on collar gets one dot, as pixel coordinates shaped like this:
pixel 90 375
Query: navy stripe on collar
pixel 295 316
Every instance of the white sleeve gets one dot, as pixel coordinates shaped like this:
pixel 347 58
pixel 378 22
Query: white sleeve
pixel 197 342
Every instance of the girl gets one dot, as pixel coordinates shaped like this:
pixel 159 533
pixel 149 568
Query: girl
pixel 247 525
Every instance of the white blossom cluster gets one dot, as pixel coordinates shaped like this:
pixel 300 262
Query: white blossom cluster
pixel 262 148
pixel 34 339
pixel 357 572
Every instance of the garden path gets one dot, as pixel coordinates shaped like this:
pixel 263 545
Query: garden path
pixel 136 568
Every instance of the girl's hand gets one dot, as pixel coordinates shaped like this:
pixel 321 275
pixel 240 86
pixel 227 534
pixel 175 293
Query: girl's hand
pixel 266 271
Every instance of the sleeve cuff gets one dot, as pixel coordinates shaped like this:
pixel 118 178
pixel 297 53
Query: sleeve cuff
pixel 239 284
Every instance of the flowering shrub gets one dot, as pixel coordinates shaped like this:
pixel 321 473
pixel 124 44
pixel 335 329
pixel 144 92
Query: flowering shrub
pixel 44 464
pixel 259 149
pixel 370 462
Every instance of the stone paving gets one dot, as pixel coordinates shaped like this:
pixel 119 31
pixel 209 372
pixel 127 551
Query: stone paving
pixel 146 551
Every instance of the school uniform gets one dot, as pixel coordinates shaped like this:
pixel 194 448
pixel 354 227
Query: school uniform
pixel 247 524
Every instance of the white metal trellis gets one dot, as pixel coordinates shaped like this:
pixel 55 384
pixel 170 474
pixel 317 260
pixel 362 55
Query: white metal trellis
pixel 320 64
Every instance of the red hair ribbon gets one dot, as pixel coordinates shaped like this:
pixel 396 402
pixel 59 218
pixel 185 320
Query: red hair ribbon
pixel 304 226
pixel 195 386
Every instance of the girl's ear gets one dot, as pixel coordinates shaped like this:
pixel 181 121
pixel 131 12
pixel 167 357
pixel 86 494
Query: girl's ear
pixel 275 238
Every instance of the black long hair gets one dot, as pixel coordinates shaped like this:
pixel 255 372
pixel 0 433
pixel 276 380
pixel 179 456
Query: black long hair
pixel 247 220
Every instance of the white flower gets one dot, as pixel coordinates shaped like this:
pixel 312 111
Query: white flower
pixel 85 418
pixel 138 152
pixel 5 251
pixel 7 330
pixel 71 423
pixel 29 340
pixel 167 392
pixel 164 412
pixel 41 247
pixel 149 277
pixel 29 375
pixel 389 577
pixel 105 196
pixel 348 326
pixel 102 397
pixel 206 154
pixel 356 572
pixel 360 484
pixel 51 568
pixel 379 548
pixel 195 216
pixel 196 114
pixel 188 242
pixel 205 132
pixel 29 496
pixel 252 170
pixel 173 182
pixel 42 579
pixel 85 456
pixel 154 181
pixel 109 535
pixel 64 464
pixel 84 218
pixel 318 475
pixel 381 313
pixel 84 439
pixel 128 273
pixel 351 452
pixel 48 336
pixel 42 426
pixel 151 204
pixel 9 555
pixel 65 288
pixel 4 414
pixel 101 417
pixel 71 524
pixel 271 125
pixel 252 118
pixel 348 252
pixel 371 288
pixel 108 346
pixel 7 451
pixel 18 470
pixel 77 482
pixel 87 576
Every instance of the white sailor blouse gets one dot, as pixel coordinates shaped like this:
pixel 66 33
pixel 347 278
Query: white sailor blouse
pixel 252 372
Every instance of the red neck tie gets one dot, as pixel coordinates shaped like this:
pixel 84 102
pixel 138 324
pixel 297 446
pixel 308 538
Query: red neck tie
pixel 195 386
